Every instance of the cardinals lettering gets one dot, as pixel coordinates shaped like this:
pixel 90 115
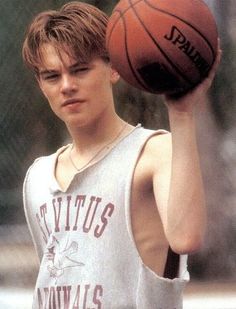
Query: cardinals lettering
pixel 87 296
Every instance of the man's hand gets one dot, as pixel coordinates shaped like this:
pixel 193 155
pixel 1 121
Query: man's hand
pixel 188 101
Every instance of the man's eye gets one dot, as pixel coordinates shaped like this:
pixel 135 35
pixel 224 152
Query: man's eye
pixel 79 70
pixel 51 77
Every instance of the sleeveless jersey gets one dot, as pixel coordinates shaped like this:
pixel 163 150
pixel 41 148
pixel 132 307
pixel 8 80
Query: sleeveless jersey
pixel 88 257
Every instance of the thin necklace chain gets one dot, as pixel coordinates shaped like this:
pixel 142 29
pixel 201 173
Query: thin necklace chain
pixel 98 152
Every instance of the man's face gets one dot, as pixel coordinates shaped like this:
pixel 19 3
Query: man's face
pixel 78 93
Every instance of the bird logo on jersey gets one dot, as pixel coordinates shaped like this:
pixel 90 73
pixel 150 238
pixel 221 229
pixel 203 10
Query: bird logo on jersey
pixel 61 258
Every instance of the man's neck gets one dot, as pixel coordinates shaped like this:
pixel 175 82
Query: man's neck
pixel 90 137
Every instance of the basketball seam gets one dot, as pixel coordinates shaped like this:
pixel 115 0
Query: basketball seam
pixel 161 50
pixel 128 57
pixel 187 23
pixel 121 13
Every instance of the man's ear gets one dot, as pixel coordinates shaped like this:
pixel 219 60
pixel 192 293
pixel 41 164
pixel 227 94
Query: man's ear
pixel 115 76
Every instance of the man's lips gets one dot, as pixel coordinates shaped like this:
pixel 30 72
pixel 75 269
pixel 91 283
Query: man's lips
pixel 72 102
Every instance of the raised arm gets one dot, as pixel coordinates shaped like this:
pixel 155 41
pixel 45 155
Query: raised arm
pixel 177 179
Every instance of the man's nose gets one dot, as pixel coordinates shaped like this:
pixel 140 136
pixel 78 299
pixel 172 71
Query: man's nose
pixel 68 84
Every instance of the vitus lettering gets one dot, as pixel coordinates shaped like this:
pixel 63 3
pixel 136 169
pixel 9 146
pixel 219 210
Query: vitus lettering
pixel 91 213
pixel 177 38
pixel 79 213
pixel 107 212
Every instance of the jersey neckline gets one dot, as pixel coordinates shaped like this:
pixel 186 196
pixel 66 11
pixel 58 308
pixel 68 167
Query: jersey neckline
pixel 54 185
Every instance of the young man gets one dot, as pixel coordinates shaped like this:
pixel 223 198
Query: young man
pixel 105 210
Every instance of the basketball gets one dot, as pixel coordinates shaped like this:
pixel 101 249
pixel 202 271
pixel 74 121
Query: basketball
pixel 162 46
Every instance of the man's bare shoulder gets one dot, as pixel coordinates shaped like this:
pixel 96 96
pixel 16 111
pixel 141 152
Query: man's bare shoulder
pixel 158 148
pixel 155 157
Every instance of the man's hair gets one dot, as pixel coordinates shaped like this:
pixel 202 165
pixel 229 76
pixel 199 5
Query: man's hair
pixel 77 28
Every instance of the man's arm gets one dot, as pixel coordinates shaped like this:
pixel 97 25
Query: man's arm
pixel 177 179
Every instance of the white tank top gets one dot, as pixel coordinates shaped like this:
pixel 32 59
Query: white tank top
pixel 88 257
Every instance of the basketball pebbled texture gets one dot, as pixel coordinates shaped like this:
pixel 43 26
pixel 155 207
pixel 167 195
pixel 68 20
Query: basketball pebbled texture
pixel 162 46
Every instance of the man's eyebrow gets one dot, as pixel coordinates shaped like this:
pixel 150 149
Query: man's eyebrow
pixel 71 67
pixel 77 64
pixel 44 72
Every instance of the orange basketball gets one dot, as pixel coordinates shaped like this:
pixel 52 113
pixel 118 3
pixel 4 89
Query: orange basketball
pixel 162 46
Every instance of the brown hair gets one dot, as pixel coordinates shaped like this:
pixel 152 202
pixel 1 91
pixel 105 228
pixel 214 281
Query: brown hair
pixel 78 28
